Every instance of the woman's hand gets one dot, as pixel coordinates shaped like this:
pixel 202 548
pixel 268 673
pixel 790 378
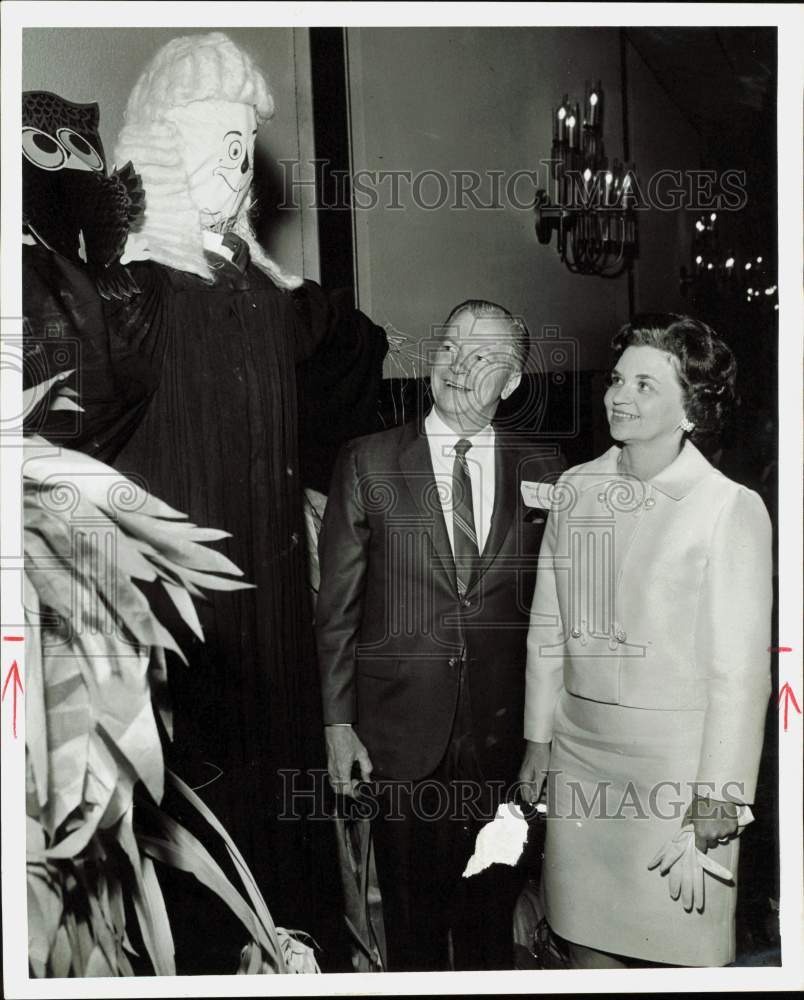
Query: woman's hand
pixel 713 820
pixel 533 771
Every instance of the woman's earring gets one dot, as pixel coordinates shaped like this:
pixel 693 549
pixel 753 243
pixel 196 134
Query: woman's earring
pixel 687 425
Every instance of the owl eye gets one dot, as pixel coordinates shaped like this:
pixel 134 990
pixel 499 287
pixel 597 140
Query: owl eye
pixel 78 146
pixel 235 149
pixel 42 149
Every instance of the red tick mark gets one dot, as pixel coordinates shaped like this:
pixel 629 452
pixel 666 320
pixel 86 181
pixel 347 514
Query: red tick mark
pixel 780 649
pixel 14 677
pixel 787 693
pixel 13 638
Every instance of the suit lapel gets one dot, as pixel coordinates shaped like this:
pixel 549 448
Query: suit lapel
pixel 505 496
pixel 417 468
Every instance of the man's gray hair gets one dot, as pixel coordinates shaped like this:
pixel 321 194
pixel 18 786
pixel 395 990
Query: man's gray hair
pixel 483 309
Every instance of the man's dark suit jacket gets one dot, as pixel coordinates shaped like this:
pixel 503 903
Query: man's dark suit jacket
pixel 391 629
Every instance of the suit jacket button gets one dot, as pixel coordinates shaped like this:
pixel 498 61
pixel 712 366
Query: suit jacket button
pixel 453 661
pixel 466 603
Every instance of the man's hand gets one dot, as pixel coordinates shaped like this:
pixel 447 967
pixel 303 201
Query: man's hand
pixel 343 749
pixel 533 771
pixel 713 820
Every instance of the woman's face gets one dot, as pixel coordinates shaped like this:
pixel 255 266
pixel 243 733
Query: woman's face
pixel 644 401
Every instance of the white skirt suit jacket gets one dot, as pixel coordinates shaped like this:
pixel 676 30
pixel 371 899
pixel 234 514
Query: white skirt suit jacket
pixel 658 595
pixel 648 668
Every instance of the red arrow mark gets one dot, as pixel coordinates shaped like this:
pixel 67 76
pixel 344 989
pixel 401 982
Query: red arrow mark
pixel 14 672
pixel 787 694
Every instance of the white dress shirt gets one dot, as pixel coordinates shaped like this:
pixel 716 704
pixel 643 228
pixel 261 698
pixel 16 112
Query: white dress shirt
pixel 480 460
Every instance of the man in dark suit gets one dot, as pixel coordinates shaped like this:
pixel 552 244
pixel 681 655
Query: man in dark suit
pixel 427 571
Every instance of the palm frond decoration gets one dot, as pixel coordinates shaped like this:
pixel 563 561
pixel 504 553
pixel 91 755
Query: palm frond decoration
pixel 97 678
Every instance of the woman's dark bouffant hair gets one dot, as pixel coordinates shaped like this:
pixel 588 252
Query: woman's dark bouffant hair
pixel 706 368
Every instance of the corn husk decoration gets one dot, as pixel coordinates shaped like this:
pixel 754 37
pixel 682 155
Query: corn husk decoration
pixel 96 675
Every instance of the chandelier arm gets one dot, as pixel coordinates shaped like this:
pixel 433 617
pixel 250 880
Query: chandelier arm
pixel 570 261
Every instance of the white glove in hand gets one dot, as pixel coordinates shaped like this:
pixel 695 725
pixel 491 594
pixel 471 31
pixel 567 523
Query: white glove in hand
pixel 501 841
pixel 686 866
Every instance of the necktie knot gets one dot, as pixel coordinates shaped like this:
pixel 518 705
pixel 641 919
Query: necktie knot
pixel 462 447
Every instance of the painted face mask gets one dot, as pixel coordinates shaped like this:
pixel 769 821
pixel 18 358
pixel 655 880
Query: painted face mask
pixel 218 149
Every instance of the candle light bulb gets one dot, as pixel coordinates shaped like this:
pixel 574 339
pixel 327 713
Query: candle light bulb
pixel 713 216
pixel 748 266
pixel 561 122
pixel 699 226
pixel 710 266
pixel 730 262
pixel 572 134
pixel 593 110
pixel 609 179
pixel 759 260
pixel 699 259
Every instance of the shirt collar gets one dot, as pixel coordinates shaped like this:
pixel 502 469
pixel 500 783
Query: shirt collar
pixel 436 429
pixel 676 481
pixel 229 246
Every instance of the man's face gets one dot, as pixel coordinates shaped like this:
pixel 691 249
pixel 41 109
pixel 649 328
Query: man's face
pixel 474 367
pixel 218 150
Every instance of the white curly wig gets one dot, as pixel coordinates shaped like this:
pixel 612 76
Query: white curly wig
pixel 185 70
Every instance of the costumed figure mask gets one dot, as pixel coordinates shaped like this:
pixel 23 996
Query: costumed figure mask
pixel 190 128
pixel 219 172
pixel 69 204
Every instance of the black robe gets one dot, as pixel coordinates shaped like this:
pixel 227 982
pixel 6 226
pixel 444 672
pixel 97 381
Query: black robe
pixel 193 390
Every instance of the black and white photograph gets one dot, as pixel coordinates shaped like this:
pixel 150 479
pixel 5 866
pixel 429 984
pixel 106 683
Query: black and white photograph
pixel 401 498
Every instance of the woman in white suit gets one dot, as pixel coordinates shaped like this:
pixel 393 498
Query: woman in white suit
pixel 648 667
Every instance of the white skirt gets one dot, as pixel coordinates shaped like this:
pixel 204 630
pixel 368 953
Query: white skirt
pixel 621 780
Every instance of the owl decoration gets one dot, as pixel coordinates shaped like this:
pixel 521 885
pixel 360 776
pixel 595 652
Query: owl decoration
pixel 69 203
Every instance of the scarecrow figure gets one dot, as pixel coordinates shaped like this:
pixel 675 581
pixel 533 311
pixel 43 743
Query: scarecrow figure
pixel 190 376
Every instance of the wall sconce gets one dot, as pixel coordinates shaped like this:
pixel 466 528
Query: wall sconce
pixel 592 211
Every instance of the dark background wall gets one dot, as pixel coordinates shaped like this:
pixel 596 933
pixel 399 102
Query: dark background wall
pixel 447 99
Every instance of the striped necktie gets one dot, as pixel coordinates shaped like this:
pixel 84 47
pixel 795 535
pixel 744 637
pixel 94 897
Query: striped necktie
pixel 464 536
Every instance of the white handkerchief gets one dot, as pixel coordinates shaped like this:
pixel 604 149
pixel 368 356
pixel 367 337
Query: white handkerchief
pixel 501 841
pixel 537 494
